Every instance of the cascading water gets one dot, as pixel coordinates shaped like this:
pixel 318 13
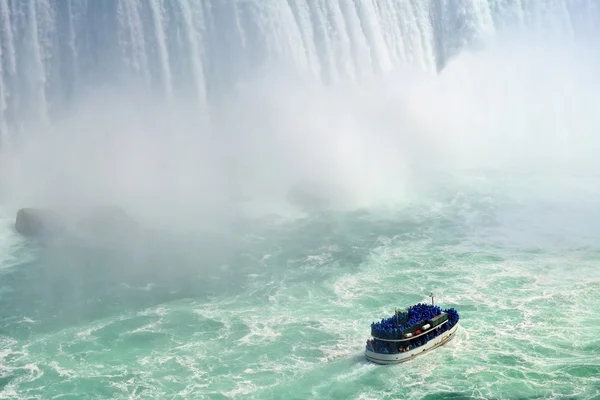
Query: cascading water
pixel 53 51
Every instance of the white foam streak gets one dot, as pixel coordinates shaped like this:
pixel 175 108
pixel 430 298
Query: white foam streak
pixel 157 12
pixel 132 39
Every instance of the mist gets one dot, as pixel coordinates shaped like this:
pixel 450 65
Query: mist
pixel 522 104
pixel 285 142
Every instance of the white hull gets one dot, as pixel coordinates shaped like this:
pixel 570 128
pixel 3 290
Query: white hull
pixel 409 355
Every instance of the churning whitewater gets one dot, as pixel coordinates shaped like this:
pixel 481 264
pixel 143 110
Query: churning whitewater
pixel 296 170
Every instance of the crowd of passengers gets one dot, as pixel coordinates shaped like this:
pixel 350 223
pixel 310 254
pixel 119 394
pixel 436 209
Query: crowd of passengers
pixel 392 327
pixel 385 347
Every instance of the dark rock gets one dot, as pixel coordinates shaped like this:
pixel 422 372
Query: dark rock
pixel 38 222
pixel 308 196
pixel 108 220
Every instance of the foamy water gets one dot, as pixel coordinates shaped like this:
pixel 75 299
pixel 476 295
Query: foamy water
pixel 289 315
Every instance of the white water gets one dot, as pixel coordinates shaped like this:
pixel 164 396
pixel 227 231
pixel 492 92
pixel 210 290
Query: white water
pixel 54 51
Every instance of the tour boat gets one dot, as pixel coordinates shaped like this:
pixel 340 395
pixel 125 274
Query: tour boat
pixel 411 332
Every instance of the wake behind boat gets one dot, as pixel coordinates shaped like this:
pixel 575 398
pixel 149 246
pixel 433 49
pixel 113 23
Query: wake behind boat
pixel 411 332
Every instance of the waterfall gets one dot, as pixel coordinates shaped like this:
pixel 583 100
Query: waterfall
pixel 53 51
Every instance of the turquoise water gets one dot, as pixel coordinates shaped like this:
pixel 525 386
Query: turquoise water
pixel 281 309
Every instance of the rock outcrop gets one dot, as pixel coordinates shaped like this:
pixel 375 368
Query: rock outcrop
pixel 308 196
pixel 38 222
pixel 108 220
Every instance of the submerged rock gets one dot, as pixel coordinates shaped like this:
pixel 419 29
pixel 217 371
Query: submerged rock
pixel 38 222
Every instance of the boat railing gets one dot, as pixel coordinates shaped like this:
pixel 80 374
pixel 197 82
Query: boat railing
pixel 412 337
